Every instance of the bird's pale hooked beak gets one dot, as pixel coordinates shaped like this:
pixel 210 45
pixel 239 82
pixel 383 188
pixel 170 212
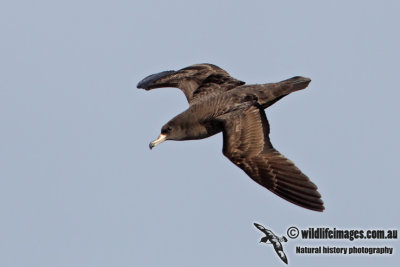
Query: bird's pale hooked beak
pixel 159 140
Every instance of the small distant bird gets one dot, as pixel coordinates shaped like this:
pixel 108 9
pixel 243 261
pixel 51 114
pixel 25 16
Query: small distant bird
pixel 221 103
pixel 274 240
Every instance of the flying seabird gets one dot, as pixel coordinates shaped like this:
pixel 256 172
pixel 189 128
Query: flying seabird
pixel 274 240
pixel 221 103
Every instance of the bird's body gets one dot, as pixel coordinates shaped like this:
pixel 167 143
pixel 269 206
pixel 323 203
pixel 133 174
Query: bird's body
pixel 220 103
pixel 273 239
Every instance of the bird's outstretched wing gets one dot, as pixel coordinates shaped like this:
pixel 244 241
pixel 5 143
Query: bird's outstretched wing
pixel 260 227
pixel 281 254
pixel 196 81
pixel 247 145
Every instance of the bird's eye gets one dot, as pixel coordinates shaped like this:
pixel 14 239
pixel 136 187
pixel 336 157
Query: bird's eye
pixel 166 130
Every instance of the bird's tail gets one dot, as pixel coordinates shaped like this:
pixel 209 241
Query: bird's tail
pixel 270 93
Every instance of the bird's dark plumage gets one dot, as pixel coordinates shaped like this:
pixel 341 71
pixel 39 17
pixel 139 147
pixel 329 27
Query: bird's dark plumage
pixel 274 240
pixel 219 102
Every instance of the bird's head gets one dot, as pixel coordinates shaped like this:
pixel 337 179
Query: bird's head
pixel 187 79
pixel 170 131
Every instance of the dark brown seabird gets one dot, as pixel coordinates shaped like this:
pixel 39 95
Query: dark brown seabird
pixel 274 240
pixel 219 102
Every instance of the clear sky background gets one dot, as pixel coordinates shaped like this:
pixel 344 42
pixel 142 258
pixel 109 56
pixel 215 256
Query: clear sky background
pixel 79 185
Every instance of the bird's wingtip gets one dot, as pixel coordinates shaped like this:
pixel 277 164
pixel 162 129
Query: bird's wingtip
pixel 150 81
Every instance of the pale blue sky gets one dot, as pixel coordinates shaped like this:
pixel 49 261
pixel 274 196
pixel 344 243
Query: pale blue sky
pixel 79 186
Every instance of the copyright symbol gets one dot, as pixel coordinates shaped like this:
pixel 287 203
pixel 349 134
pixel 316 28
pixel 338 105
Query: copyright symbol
pixel 292 232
